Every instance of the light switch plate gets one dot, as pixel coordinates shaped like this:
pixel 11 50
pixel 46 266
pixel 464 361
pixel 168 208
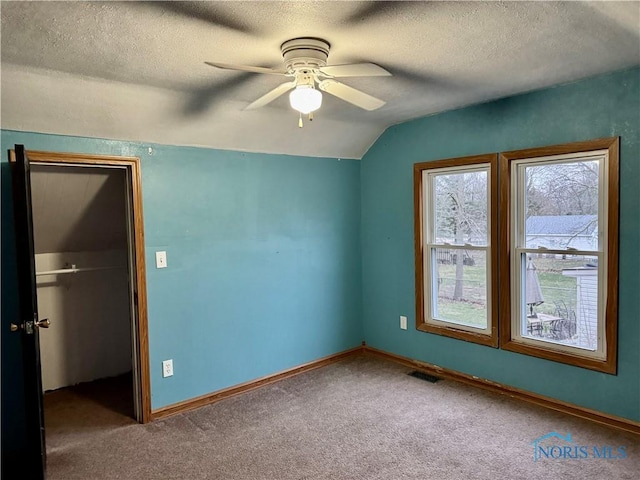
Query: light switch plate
pixel 403 322
pixel 161 259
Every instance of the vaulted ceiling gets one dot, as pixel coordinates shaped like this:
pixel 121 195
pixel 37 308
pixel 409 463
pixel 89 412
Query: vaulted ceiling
pixel 136 71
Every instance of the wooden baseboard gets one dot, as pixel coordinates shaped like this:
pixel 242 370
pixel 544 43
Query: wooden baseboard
pixel 530 397
pixel 547 402
pixel 210 398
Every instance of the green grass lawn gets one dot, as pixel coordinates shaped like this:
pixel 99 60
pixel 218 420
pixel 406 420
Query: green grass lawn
pixel 471 310
pixel 462 312
pixel 556 289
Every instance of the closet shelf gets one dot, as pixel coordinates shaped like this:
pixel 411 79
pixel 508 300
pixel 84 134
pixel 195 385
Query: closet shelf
pixel 73 269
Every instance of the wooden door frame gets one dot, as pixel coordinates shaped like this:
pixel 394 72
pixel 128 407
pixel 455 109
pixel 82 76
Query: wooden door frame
pixel 132 164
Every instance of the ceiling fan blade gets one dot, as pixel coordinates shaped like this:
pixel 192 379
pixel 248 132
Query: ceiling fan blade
pixel 206 12
pixel 355 70
pixel 245 68
pixel 271 96
pixel 377 10
pixel 202 97
pixel 381 11
pixel 351 95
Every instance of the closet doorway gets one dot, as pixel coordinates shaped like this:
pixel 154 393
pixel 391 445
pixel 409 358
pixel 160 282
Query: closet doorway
pixel 90 275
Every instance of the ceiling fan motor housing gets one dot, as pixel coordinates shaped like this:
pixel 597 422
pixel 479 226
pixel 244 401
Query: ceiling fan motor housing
pixel 305 62
pixel 305 53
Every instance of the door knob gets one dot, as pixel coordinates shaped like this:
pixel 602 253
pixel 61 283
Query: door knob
pixel 28 326
pixel 44 323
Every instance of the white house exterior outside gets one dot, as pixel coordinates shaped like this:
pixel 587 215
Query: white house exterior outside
pixel 563 231
pixel 587 302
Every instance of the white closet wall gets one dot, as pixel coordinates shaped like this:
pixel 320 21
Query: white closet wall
pixel 89 336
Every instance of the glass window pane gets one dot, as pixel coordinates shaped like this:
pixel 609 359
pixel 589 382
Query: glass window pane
pixel 460 211
pixel 562 205
pixel 560 299
pixel 460 286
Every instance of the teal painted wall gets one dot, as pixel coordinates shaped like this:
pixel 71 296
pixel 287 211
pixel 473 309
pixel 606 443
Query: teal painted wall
pixel 267 269
pixel 263 269
pixel 603 106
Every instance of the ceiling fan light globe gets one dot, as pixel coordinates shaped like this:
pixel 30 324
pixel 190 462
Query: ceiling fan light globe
pixel 305 99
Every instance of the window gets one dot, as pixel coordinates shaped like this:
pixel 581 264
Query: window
pixel 553 293
pixel 561 245
pixel 456 229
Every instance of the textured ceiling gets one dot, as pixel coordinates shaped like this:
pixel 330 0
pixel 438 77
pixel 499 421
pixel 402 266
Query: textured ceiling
pixel 135 71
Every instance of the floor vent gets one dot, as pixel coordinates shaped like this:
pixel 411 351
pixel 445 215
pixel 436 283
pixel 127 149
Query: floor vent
pixel 424 376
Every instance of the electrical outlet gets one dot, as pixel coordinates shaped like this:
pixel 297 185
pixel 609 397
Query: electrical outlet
pixel 167 368
pixel 161 259
pixel 403 322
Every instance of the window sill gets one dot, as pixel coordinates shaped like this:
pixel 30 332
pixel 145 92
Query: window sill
pixel 482 339
pixel 605 366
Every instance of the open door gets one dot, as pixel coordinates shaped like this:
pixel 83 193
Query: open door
pixel 28 323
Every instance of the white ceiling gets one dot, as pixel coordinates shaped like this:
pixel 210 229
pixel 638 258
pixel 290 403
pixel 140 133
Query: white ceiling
pixel 135 71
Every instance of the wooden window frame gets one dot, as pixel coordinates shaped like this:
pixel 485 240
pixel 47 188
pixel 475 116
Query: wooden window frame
pixel 609 363
pixel 490 339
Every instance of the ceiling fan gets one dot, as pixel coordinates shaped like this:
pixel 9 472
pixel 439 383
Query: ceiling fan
pixel 305 62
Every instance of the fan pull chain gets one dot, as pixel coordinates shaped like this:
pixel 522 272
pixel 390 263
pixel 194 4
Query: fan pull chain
pixel 300 121
pixel 311 117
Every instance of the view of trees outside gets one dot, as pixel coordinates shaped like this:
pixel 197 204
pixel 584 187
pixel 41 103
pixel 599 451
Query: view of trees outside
pixel 562 189
pixel 461 208
pixel 566 194
pixel 460 218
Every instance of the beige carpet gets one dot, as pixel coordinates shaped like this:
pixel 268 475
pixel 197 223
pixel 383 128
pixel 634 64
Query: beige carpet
pixel 78 414
pixel 362 418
